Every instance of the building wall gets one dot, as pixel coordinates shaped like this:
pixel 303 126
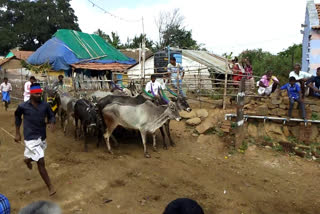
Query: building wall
pixel 314 52
pixel 305 43
pixel 193 77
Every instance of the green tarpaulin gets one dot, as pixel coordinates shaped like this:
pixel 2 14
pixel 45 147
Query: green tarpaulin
pixel 89 46
pixel 10 54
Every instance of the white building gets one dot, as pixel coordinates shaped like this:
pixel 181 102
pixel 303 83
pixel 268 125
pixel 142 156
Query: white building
pixel 197 67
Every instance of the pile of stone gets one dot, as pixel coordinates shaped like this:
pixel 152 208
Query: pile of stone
pixel 278 105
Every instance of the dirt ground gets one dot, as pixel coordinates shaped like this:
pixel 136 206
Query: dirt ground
pixel 259 181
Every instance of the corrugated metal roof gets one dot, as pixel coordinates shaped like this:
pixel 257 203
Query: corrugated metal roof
pixel 134 53
pixel 205 58
pixel 100 67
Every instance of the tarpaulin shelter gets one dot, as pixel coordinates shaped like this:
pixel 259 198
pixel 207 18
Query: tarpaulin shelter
pixel 88 56
pixel 69 48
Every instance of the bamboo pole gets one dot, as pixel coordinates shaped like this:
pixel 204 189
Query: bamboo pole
pixel 225 85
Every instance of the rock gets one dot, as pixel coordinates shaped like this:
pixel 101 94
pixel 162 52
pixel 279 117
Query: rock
pixel 274 131
pixel 188 115
pixel 315 108
pixel 272 106
pixel 314 133
pixel 276 100
pixel 205 126
pixel 284 93
pixel 279 112
pixel 295 131
pixel 262 110
pixel 194 121
pixel 195 135
pixel 202 113
pixel 268 147
pixel 286 100
pixel 286 131
pixel 217 103
pixel 252 130
pixel 283 106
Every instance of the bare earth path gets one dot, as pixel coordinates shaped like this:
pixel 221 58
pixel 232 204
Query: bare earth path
pixel 259 181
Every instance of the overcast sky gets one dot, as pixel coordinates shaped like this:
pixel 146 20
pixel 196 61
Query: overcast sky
pixel 222 25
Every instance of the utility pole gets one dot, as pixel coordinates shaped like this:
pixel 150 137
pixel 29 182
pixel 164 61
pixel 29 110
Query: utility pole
pixel 143 55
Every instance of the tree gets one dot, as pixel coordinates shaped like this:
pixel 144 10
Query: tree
pixel 29 24
pixel 114 40
pixel 280 63
pixel 137 40
pixel 172 32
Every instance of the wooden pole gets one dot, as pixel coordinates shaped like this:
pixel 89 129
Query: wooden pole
pixel 225 85
pixel 240 120
pixel 178 83
pixel 73 80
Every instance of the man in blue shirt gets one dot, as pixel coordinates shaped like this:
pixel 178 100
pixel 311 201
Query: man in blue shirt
pixel 294 94
pixel 34 113
pixel 314 84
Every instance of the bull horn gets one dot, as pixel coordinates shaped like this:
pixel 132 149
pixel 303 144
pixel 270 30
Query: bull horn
pixel 164 95
pixel 122 85
pixel 152 92
pixel 148 94
pixel 161 96
pixel 171 92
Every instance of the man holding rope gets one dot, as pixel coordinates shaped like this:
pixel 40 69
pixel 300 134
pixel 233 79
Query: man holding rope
pixel 34 112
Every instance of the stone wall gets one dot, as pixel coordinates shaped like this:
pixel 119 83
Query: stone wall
pixel 278 106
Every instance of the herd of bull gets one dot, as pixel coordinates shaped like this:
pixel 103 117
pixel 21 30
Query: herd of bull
pixel 132 108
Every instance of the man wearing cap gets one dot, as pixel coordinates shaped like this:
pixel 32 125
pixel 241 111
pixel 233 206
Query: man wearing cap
pixel 26 94
pixel 34 113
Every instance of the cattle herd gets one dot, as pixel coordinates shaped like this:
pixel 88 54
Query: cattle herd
pixel 102 111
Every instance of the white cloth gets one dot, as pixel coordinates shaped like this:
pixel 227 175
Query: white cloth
pixel 5 87
pixel 265 91
pixel 34 149
pixel 302 75
pixel 26 94
pixel 155 86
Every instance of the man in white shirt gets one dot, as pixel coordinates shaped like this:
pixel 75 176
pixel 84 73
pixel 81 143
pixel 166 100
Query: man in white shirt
pixel 301 76
pixel 5 89
pixel 153 85
pixel 26 94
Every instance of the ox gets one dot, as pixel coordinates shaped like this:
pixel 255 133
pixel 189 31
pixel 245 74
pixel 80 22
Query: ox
pixel 66 110
pixel 85 111
pixel 135 113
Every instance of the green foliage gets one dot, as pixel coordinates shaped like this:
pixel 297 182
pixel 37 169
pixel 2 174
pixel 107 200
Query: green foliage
pixel 177 36
pixel 280 64
pixel 243 147
pixel 39 69
pixel 278 148
pixel 28 24
pixel 267 139
pixel 137 40
pixel 315 116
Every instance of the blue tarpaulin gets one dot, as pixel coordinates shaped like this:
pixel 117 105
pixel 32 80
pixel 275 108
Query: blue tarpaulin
pixel 56 53
pixel 60 56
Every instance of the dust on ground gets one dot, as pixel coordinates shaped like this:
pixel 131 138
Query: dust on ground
pixel 259 181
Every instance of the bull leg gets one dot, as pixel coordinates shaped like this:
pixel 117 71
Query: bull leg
pixel 115 141
pixel 144 142
pixel 154 142
pixel 65 126
pixel 76 128
pixel 107 135
pixel 85 137
pixel 165 146
pixel 169 135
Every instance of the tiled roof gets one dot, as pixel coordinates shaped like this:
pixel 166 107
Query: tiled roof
pixel 99 66
pixel 23 55
pixel 2 61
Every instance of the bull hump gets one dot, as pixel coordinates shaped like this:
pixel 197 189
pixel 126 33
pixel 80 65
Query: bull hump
pixel 123 100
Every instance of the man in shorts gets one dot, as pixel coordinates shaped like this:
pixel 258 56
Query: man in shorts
pixel 34 113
